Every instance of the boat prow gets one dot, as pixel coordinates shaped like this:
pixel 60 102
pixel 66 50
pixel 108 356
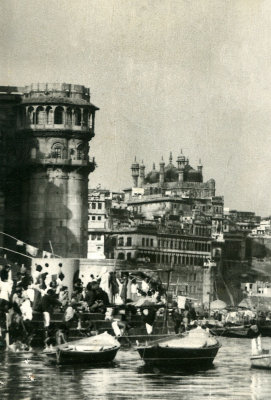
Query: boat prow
pixel 260 358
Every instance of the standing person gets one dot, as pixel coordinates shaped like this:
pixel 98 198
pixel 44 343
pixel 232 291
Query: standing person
pixel 149 315
pixel 176 317
pixel 134 288
pixel 5 288
pixel 145 285
pixel 48 302
pixel 123 293
pixel 113 287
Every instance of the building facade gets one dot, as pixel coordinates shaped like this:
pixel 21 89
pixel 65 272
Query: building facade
pixel 186 252
pixel 45 182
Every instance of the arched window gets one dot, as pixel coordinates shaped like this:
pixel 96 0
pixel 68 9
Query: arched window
pixel 40 115
pixel 77 117
pixel 57 150
pixel 69 116
pixel 81 153
pixel 49 115
pixel 85 117
pixel 91 120
pixel 31 115
pixel 121 256
pixel 58 119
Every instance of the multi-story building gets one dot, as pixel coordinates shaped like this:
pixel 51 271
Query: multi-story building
pixel 187 251
pixel 105 210
pixel 46 129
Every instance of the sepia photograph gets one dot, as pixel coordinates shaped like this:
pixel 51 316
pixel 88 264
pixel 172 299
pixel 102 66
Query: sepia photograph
pixel 135 211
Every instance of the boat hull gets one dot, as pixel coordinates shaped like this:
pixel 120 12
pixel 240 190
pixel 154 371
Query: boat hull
pixel 262 361
pixel 238 333
pixel 181 357
pixel 84 357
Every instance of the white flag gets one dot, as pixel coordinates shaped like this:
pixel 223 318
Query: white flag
pixel 33 251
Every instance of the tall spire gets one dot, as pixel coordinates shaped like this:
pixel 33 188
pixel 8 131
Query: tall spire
pixel 170 157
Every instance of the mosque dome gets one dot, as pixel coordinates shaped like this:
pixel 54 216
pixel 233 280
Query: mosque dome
pixel 193 176
pixel 152 177
pixel 171 173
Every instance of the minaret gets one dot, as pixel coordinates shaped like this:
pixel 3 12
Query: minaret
pixel 162 171
pixel 200 167
pixel 135 173
pixel 181 165
pixel 141 175
pixel 170 157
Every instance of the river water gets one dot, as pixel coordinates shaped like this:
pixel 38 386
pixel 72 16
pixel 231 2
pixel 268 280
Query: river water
pixel 28 377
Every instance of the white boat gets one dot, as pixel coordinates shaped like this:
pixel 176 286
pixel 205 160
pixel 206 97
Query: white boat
pixel 260 358
pixel 93 350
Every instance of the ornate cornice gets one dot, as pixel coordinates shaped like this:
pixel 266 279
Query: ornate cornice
pixel 58 133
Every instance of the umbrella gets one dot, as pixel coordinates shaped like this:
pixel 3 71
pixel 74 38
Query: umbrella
pixel 218 305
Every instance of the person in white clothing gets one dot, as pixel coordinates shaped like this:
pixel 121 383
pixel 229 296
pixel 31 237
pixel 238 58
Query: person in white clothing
pixel 5 287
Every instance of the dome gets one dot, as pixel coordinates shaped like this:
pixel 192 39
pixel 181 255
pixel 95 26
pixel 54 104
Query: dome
pixel 171 173
pixel 193 175
pixel 152 177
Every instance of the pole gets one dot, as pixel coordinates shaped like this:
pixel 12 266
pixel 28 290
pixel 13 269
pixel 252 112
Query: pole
pixel 165 324
pixel 7 331
pixel 16 252
pixel 52 250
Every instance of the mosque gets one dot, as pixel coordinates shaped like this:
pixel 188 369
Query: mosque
pixel 180 179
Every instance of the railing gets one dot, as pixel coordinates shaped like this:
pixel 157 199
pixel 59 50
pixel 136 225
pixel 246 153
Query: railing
pixel 83 128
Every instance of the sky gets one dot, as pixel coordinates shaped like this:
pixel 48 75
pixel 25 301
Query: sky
pixel 166 74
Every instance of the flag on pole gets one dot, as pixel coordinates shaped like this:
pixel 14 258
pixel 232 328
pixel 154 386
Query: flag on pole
pixel 33 251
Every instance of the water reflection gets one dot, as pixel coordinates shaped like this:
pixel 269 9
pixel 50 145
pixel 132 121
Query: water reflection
pixel 27 377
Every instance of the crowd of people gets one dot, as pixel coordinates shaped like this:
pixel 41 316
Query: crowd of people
pixel 36 290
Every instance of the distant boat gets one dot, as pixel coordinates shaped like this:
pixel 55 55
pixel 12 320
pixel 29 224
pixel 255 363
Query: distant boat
pixel 93 350
pixel 260 358
pixel 195 349
pixel 238 331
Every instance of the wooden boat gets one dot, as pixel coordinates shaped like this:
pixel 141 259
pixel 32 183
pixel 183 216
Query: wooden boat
pixel 93 350
pixel 239 331
pixel 260 358
pixel 195 349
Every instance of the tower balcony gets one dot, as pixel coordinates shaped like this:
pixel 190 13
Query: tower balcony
pixel 55 127
pixel 50 161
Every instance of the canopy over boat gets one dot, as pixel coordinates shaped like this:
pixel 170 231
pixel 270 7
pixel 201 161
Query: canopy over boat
pixel 103 340
pixel 196 338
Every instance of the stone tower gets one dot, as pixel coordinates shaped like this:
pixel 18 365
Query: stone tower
pixel 54 124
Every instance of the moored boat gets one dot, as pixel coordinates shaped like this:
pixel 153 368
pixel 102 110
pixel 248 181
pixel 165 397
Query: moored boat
pixel 195 349
pixel 260 358
pixel 238 331
pixel 93 350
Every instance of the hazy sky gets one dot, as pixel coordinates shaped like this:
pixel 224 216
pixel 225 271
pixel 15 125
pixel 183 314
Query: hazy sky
pixel 166 75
